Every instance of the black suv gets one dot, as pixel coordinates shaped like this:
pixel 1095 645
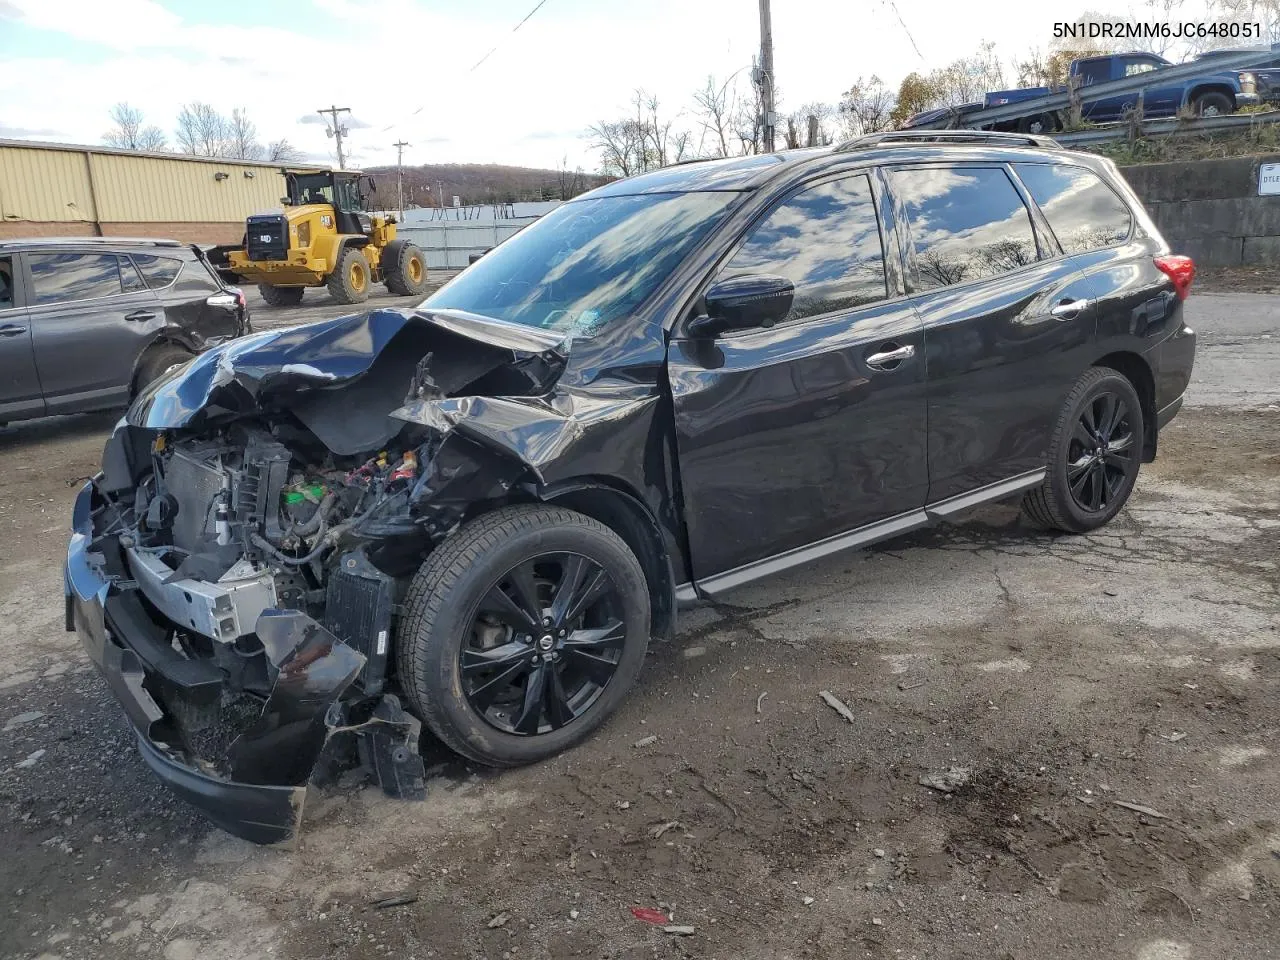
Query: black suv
pixel 86 322
pixel 662 390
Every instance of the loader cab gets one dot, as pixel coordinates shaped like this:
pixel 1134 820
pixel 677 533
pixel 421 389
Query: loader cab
pixel 346 192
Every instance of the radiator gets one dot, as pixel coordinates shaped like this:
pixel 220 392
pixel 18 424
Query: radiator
pixel 359 601
pixel 193 483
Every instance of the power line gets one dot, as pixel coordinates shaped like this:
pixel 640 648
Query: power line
pixel 513 30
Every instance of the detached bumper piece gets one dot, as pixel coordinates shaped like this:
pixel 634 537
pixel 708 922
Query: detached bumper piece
pixel 247 763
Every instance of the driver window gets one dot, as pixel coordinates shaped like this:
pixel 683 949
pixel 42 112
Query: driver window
pixel 826 241
pixel 6 283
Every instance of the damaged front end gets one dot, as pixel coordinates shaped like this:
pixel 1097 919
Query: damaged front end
pixel 236 568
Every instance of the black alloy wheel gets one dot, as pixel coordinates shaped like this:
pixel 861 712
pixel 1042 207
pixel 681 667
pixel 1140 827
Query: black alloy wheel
pixel 545 641
pixel 1102 451
pixel 1095 452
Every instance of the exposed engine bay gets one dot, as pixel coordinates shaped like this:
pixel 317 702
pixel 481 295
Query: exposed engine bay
pixel 254 528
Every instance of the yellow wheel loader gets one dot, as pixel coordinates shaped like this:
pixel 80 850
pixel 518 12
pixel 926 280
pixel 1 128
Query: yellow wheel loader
pixel 324 236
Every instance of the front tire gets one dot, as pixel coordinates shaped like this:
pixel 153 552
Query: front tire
pixel 404 268
pixel 349 282
pixel 280 296
pixel 1094 455
pixel 524 630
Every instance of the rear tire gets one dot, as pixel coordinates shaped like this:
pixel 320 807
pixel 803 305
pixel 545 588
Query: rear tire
pixel 1094 455
pixel 1213 104
pixel 404 268
pixel 349 282
pixel 454 619
pixel 156 362
pixel 280 296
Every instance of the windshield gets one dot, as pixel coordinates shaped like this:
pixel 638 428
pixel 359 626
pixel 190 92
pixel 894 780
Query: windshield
pixel 313 188
pixel 587 263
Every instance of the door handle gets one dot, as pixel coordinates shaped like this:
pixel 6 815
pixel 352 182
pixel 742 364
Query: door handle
pixel 11 330
pixel 890 359
pixel 1068 309
pixel 140 315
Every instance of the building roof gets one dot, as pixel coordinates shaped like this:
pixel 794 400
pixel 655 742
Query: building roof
pixel 157 155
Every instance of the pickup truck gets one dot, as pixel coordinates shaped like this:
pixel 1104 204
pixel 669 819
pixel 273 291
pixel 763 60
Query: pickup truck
pixel 1212 94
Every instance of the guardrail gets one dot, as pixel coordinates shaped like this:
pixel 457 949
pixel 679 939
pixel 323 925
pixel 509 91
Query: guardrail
pixel 1169 128
pixel 1100 91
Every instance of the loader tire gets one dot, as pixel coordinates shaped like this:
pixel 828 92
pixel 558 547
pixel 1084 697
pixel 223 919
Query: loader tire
pixel 404 268
pixel 280 296
pixel 349 283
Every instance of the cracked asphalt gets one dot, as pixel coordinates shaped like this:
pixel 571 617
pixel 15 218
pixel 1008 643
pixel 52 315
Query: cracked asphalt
pixel 1104 708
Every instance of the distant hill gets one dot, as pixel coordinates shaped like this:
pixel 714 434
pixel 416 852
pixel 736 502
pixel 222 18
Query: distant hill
pixel 482 183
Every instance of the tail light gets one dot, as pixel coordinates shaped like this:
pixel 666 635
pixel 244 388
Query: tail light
pixel 1181 270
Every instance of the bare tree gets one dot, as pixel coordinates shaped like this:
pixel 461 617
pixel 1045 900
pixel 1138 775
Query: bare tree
pixel 748 121
pixel 714 108
pixel 282 151
pixel 866 107
pixel 1265 12
pixel 621 146
pixel 203 131
pixel 639 142
pixel 242 136
pixel 129 132
pixel 570 183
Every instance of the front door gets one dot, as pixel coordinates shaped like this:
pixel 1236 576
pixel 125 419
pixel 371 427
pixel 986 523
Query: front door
pixel 91 318
pixel 1008 323
pixel 796 434
pixel 20 395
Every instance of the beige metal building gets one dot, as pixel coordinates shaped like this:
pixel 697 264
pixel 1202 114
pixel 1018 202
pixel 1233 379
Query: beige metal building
pixel 54 189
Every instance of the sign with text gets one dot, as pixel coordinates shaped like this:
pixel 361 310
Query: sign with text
pixel 1268 179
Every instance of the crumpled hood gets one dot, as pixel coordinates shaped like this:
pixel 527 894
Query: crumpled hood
pixel 353 367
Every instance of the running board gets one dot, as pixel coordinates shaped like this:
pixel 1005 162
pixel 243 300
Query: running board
pixel 861 537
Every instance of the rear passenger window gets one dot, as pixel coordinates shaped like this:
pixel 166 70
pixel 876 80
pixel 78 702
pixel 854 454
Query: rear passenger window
pixel 159 271
pixel 63 277
pixel 967 223
pixel 1084 212
pixel 6 283
pixel 826 241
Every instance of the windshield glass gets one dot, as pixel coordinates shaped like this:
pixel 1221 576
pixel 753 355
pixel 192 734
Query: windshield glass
pixel 313 188
pixel 587 263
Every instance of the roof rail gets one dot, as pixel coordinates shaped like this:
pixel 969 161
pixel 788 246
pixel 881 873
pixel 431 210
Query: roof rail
pixel 947 136
pixel 92 241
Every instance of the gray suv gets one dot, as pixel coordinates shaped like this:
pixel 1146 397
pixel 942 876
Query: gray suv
pixel 86 322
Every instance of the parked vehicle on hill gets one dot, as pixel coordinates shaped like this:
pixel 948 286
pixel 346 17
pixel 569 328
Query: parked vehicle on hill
pixel 87 322
pixel 1215 93
pixel 663 390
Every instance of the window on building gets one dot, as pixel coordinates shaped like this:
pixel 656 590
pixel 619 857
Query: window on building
pixel 826 241
pixel 967 223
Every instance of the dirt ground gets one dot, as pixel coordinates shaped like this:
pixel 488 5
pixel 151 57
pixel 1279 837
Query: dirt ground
pixel 1105 709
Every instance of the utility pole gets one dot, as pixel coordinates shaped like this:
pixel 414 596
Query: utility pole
pixel 766 75
pixel 400 145
pixel 336 130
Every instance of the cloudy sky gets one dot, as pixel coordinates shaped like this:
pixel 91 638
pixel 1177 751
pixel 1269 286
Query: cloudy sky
pixel 408 68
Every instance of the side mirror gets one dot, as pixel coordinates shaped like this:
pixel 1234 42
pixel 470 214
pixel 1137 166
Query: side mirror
pixel 286 202
pixel 743 303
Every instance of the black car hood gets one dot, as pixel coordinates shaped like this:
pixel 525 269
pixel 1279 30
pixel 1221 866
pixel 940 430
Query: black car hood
pixel 344 377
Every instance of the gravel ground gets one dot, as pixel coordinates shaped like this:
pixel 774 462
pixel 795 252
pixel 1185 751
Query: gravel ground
pixel 1105 709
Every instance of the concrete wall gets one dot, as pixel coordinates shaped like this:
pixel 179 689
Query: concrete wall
pixel 1211 211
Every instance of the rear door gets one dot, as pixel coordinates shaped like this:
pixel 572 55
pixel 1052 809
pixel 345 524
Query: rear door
pixel 20 395
pixel 193 298
pixel 91 317
pixel 793 435
pixel 1008 323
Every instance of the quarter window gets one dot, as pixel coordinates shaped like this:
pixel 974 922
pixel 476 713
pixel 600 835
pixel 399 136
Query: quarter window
pixel 967 223
pixel 159 271
pixel 63 277
pixel 826 241
pixel 6 283
pixel 1084 212
pixel 195 278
